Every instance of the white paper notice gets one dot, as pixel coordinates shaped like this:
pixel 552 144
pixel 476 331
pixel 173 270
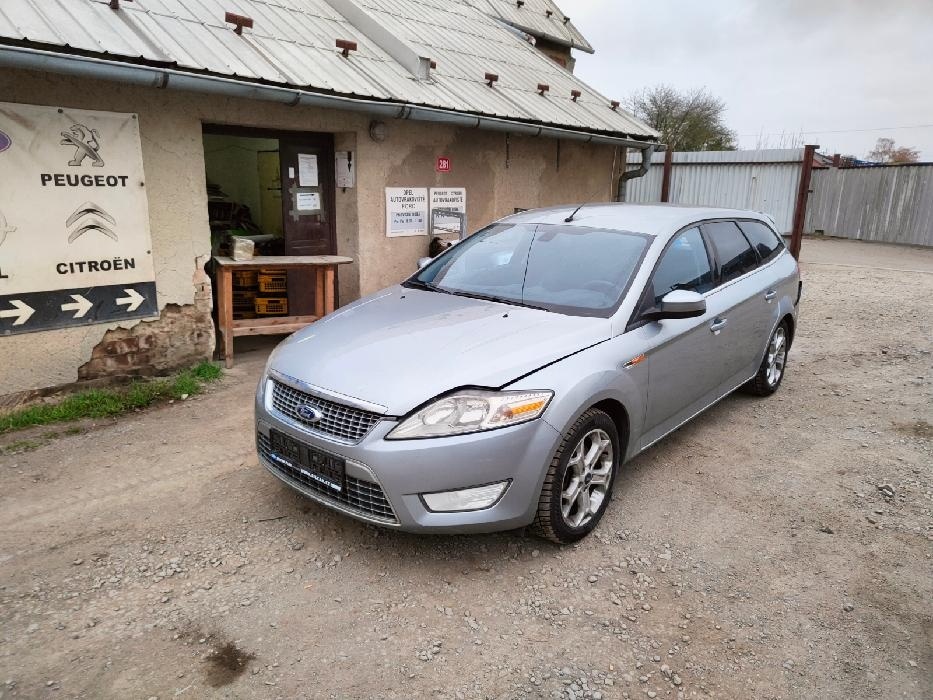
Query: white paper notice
pixel 308 201
pixel 406 211
pixel 307 170
pixel 449 199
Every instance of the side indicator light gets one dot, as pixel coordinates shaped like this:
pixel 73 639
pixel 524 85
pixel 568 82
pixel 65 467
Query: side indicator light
pixel 635 361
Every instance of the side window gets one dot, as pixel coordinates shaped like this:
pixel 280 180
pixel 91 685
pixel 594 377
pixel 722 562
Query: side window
pixel 733 252
pixel 684 265
pixel 763 239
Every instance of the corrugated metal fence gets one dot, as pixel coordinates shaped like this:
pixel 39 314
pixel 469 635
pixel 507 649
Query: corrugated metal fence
pixel 890 203
pixel 764 181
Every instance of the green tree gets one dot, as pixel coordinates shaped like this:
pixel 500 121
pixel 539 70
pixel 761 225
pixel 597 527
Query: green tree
pixel 688 121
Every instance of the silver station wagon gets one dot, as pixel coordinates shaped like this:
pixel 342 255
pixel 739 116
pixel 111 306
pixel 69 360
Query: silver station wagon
pixel 505 383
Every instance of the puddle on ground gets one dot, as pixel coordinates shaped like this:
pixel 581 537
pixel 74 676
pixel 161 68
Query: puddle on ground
pixel 226 663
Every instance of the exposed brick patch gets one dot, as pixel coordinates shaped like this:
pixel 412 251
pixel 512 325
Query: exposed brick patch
pixel 182 336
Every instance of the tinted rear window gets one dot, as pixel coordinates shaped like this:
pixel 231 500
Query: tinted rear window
pixel 735 255
pixel 765 241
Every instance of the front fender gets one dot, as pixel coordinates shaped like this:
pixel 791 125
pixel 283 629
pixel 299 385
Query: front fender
pixel 589 377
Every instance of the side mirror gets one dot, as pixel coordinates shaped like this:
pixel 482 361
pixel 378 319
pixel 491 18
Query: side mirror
pixel 424 262
pixel 680 303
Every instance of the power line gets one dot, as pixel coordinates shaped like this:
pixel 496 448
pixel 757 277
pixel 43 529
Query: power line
pixel 841 131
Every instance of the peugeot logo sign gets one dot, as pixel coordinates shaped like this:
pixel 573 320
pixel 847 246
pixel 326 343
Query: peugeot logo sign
pixel 310 413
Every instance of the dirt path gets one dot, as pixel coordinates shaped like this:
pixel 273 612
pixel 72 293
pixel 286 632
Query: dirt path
pixel 750 555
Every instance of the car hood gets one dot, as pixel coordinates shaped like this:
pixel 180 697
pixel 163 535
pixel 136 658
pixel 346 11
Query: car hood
pixel 402 347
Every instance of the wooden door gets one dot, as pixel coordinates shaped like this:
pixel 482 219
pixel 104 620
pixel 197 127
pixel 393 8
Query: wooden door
pixel 307 166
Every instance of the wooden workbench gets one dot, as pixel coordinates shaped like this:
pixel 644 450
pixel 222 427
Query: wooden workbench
pixel 323 268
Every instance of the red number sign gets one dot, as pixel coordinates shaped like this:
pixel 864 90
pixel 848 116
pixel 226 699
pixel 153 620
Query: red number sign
pixel 443 164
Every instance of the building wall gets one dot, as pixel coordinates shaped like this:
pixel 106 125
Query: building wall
pixel 501 172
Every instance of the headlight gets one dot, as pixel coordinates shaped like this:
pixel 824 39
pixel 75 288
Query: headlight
pixel 471 411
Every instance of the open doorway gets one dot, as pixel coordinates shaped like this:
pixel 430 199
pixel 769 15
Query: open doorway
pixel 277 189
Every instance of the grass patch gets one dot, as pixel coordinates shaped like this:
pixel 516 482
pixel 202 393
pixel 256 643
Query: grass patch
pixel 101 403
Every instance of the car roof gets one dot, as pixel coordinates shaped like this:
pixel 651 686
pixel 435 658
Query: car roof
pixel 653 219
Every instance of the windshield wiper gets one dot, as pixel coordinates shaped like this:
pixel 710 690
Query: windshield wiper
pixel 427 286
pixel 500 300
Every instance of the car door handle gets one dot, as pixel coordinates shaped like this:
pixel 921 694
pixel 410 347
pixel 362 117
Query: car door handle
pixel 718 324
pixel 770 294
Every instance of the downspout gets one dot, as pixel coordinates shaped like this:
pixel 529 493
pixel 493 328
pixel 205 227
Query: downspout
pixel 646 154
pixel 166 78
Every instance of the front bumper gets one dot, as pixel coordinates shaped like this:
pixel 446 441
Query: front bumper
pixel 386 477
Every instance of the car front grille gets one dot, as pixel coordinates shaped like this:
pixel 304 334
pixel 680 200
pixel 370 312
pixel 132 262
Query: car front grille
pixel 365 498
pixel 339 421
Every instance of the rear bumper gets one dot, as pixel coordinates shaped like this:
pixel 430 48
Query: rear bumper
pixel 402 470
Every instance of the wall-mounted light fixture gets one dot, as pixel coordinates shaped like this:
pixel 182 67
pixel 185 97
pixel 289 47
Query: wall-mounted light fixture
pixel 377 131
pixel 575 94
pixel 543 88
pixel 491 78
pixel 614 105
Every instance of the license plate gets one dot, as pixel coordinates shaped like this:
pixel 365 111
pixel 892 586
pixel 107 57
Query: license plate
pixel 325 469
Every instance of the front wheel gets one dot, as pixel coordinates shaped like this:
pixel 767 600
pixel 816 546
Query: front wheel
pixel 579 480
pixel 771 372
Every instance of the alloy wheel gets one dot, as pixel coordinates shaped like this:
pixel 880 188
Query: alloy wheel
pixel 586 481
pixel 777 356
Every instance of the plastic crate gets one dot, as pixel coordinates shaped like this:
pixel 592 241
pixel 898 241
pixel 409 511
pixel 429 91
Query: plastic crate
pixel 270 282
pixel 272 306
pixel 245 279
pixel 244 297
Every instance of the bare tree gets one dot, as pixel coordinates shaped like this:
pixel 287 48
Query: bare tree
pixel 886 152
pixel 688 121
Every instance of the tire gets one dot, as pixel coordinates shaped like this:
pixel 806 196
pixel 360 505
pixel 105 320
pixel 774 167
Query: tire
pixel 565 523
pixel 773 366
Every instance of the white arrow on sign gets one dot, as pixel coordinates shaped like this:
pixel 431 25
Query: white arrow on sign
pixel 132 301
pixel 20 311
pixel 80 306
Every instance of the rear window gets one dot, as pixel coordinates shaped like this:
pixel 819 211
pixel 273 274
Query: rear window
pixel 765 241
pixel 733 252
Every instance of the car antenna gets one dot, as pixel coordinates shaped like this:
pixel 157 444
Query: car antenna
pixel 570 218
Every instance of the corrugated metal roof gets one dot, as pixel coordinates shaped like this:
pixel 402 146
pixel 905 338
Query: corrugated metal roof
pixel 532 17
pixel 292 43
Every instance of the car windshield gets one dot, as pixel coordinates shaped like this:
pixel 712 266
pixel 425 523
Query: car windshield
pixel 566 269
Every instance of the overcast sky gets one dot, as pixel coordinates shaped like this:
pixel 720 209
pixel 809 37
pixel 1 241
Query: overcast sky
pixel 855 67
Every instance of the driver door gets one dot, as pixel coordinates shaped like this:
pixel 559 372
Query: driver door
pixel 683 352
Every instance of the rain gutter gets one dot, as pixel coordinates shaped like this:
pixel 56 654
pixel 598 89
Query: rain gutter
pixel 167 78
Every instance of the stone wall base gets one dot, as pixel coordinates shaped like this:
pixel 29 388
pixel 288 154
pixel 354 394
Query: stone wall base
pixel 182 336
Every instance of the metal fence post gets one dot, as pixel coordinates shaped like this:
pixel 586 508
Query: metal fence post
pixel 803 192
pixel 666 181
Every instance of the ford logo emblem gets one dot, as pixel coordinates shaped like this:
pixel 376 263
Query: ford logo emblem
pixel 310 413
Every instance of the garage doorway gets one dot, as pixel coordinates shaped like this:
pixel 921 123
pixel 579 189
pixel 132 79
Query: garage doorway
pixel 276 188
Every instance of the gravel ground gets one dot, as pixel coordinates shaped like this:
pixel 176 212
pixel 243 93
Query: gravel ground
pixel 776 548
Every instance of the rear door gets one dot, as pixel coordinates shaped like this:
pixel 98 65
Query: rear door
pixel 307 164
pixel 739 298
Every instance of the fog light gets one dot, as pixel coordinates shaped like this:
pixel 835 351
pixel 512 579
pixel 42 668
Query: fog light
pixel 477 498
